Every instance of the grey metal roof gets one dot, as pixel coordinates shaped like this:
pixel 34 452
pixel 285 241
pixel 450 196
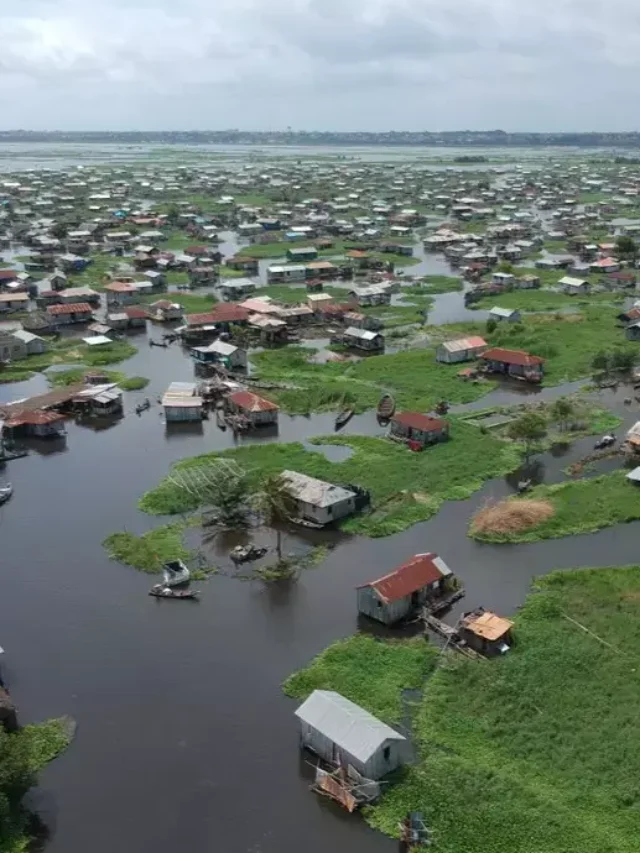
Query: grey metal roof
pixel 315 492
pixel 346 724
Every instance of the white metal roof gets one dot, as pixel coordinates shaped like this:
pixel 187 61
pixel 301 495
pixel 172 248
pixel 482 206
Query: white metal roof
pixel 97 341
pixel 363 334
pixel 315 492
pixel 570 281
pixel 346 724
pixel 503 312
pixel 219 347
pixel 634 475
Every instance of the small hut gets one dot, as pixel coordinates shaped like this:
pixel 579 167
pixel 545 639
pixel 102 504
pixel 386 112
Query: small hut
pixel 485 632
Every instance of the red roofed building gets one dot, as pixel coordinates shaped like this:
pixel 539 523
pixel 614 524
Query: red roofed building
pixel 513 362
pixel 423 579
pixel 257 410
pixel 121 293
pixel 74 312
pixel 224 314
pixel 418 430
pixel 137 315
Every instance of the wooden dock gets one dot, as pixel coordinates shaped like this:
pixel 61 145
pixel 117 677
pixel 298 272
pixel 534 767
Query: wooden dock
pixel 450 634
pixel 445 602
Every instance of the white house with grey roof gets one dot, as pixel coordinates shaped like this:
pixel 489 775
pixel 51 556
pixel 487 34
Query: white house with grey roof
pixel 318 501
pixel 343 733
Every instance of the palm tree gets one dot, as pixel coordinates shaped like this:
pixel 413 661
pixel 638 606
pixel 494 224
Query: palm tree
pixel 276 503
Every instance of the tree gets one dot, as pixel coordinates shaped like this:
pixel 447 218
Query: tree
pixel 505 266
pixel 491 326
pixel 276 504
pixel 627 248
pixel 59 230
pixel 561 411
pixel 528 429
pixel 601 362
pixel 173 215
pixel 622 360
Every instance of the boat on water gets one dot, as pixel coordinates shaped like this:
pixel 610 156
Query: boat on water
pixel 5 493
pixel 343 417
pixel 386 407
pixel 245 553
pixel 161 591
pixel 175 573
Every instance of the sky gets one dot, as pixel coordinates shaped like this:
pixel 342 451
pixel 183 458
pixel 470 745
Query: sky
pixel 548 65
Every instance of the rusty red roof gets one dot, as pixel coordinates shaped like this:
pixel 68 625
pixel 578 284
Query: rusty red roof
pixel 512 356
pixel 229 312
pixel 72 308
pixel 250 402
pixel 8 275
pixel 415 420
pixel 121 287
pixel 134 312
pixel 421 570
pixel 34 419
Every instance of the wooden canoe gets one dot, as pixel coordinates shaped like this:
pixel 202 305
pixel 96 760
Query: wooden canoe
pixel 386 407
pixel 343 417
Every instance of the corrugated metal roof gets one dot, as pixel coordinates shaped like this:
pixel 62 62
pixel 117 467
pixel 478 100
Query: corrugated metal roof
pixel 251 402
pixel 362 334
pixel 512 356
pixel 315 492
pixel 346 724
pixel 419 571
pixel 416 420
pixel 463 344
pixel 488 625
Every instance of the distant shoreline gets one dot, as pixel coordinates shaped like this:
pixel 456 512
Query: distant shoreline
pixel 449 139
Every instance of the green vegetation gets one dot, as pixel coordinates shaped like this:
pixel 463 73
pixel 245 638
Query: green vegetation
pixel 62 378
pixel 443 283
pixel 297 295
pixel 567 342
pixel 556 247
pixel 414 377
pixel 371 672
pixel 149 551
pixel 545 300
pixel 93 275
pixel 65 351
pixel 14 374
pixel 178 241
pixel 580 506
pixel 517 754
pixel 405 487
pixel 133 383
pixel 22 755
pixel 227 272
pixel 193 303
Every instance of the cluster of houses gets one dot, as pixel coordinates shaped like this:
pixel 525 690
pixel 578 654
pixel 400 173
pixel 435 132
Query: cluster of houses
pixel 517 364
pixel 349 738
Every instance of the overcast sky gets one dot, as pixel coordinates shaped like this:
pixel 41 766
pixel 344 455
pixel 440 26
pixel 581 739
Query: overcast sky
pixel 320 64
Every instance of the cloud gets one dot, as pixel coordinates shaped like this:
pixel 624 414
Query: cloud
pixel 334 64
